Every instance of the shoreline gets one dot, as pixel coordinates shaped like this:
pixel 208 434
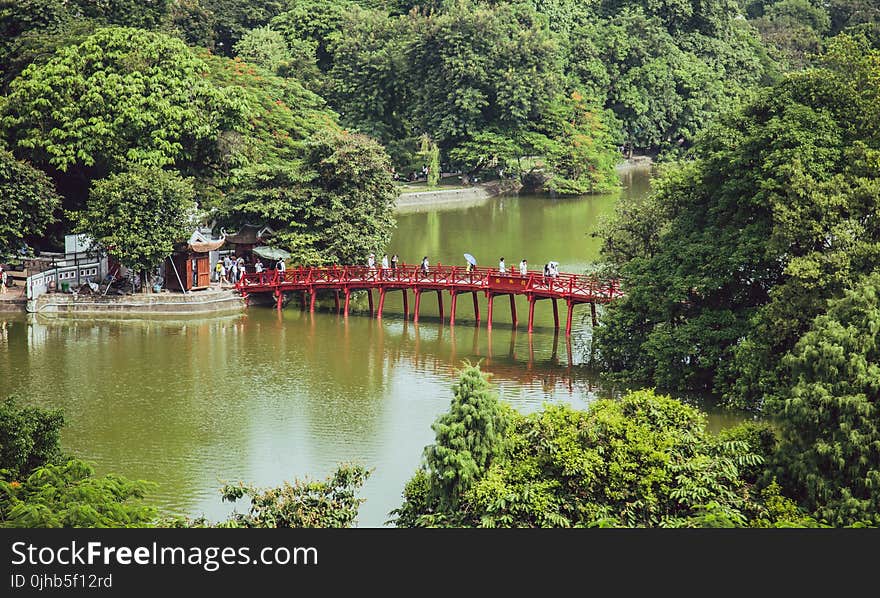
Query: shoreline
pixel 411 201
pixel 209 301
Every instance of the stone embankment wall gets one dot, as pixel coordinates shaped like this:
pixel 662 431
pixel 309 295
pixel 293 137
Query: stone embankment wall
pixel 197 302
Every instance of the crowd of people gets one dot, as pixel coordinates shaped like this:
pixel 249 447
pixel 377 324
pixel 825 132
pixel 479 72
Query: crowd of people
pixel 551 269
pixel 230 270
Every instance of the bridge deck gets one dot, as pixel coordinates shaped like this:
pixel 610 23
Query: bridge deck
pixel 572 288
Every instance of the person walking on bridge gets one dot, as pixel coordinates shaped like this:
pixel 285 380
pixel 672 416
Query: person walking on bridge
pixel 394 261
pixel 425 267
pixel 523 268
pixel 502 268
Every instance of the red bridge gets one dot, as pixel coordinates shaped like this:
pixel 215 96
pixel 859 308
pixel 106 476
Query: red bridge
pixel 573 289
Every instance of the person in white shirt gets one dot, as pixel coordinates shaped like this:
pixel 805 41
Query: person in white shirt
pixel 523 267
pixel 502 268
pixel 258 268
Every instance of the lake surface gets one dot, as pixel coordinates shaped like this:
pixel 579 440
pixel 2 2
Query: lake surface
pixel 266 396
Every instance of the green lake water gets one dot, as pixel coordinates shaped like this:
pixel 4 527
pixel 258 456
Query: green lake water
pixel 266 396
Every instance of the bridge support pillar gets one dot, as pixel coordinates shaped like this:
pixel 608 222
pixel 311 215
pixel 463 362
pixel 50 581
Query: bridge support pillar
pixel 593 314
pixel 314 295
pixel 531 312
pixel 568 320
pixel 381 303
pixel 440 304
pixel 489 297
pixel 555 315
pixel 370 297
pixel 418 294
pixel 278 298
pixel 405 304
pixel 513 309
pixel 347 302
pixel 476 309
pixel 452 308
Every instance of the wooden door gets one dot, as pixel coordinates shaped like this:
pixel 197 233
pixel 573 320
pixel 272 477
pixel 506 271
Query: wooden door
pixel 203 272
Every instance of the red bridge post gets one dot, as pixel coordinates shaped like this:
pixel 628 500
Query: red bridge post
pixel 489 297
pixel 418 295
pixel 454 300
pixel 476 309
pixel 381 303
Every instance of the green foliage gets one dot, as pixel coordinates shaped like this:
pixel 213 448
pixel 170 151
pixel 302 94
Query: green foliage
pixel 665 88
pixel 40 488
pixel 772 218
pixel 69 495
pixel 139 215
pixel 430 154
pixel 191 21
pixel 234 18
pixel 481 67
pixel 367 82
pixel 29 202
pixel 779 511
pixel 29 438
pixel 314 22
pixel 830 417
pixel 643 461
pixel 121 97
pixel 334 205
pixel 332 503
pixel 468 437
pixel 579 149
pixel 264 47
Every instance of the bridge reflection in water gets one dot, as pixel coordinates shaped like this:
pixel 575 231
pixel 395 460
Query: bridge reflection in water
pixel 546 360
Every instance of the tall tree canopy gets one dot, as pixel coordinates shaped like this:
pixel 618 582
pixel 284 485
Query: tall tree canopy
pixel 29 203
pixel 830 417
pixel 122 97
pixel 773 217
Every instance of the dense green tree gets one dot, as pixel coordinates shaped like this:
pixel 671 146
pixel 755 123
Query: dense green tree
pixel 368 83
pixel 332 503
pixel 708 17
pixel 580 149
pixel 121 97
pixel 264 47
pixel 476 67
pixel 334 205
pixel 468 437
pixel 29 203
pixel 795 29
pixel 39 487
pixel 830 417
pixel 316 23
pixel 192 22
pixel 664 89
pixel 769 221
pixel 29 437
pixel 234 18
pixel 70 495
pixel 642 461
pixel 139 215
